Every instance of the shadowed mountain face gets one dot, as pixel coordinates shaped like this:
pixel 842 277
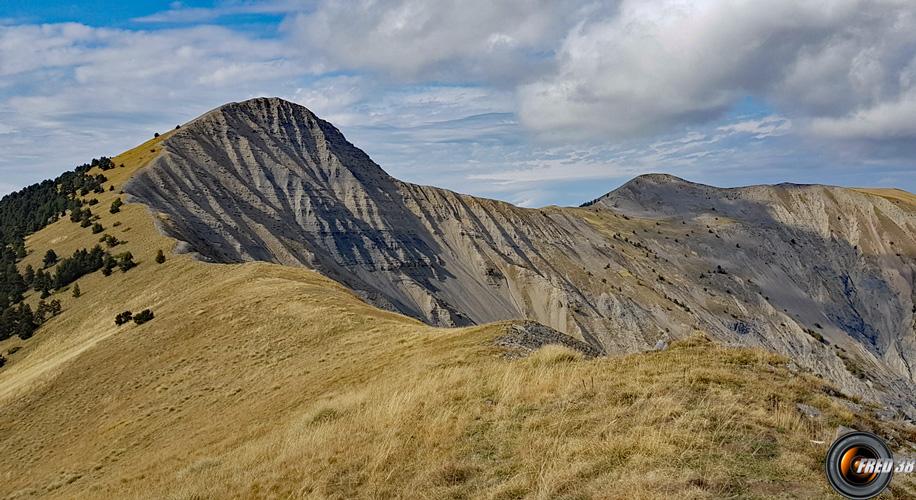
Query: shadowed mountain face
pixel 822 274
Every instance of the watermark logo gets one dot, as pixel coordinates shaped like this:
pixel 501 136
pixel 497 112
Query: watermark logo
pixel 860 465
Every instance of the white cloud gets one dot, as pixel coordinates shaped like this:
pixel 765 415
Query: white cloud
pixel 661 64
pixel 424 40
pixel 892 120
pixel 447 92
pixel 72 92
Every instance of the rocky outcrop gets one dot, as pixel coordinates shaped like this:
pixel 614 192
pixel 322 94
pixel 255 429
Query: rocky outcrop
pixel 822 274
pixel 524 337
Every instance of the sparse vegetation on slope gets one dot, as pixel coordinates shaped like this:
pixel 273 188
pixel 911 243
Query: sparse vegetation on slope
pixel 29 210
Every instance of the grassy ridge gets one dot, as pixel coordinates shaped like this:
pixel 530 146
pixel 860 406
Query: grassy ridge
pixel 262 381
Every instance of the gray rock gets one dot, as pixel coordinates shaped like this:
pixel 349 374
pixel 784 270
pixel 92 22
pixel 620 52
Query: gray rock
pixel 886 414
pixel 525 337
pixel 808 410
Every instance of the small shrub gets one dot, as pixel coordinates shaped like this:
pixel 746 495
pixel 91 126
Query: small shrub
pixel 160 257
pixel 97 228
pixel 110 241
pixel 76 290
pixel 853 365
pixel 108 264
pixel 123 318
pixel 126 262
pixel 143 316
pixel 817 336
pixel 47 310
pixel 116 206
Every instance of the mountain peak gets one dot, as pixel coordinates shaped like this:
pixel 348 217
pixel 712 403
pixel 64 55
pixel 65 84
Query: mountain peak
pixel 263 102
pixel 661 178
pixel 273 132
pixel 258 103
pixel 262 110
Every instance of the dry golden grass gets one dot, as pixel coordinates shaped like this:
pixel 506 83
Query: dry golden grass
pixel 262 381
pixel 898 196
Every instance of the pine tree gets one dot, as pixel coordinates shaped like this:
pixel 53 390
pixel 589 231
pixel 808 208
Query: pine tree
pixel 160 257
pixel 97 228
pixel 29 276
pixel 116 206
pixel 39 279
pixel 8 323
pixel 76 290
pixel 50 258
pixel 26 325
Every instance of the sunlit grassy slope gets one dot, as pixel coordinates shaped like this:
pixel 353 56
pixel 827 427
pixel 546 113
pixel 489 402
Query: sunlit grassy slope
pixel 257 380
pixel 897 196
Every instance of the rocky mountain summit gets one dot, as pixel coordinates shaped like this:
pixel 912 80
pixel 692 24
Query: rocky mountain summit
pixel 824 275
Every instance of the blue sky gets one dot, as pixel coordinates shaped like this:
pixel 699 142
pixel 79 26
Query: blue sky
pixel 529 101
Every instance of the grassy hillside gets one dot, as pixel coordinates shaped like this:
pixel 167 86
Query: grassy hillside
pixel 897 196
pixel 257 380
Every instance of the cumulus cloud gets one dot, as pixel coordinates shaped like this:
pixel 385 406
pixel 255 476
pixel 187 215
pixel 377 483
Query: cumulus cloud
pixel 438 39
pixel 660 64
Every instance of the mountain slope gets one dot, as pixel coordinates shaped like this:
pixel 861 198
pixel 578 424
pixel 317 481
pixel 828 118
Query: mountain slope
pixel 261 380
pixel 772 266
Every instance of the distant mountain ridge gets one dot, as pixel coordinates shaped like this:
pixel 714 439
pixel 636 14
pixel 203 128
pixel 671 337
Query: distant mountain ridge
pixel 822 274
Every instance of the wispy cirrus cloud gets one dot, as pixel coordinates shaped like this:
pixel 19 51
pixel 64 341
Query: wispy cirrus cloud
pixel 768 126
